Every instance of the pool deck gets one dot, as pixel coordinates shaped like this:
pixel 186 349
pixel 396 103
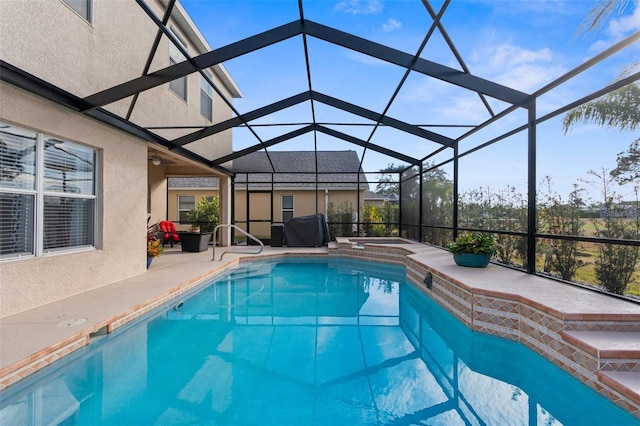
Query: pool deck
pixel 32 339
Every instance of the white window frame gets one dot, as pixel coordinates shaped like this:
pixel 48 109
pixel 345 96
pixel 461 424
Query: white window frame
pixel 287 210
pixel 40 193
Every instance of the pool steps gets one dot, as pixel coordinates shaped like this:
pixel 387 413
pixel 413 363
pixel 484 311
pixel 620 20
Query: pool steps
pixel 618 354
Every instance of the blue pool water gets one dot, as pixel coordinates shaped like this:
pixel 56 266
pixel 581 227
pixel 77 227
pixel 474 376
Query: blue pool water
pixel 305 342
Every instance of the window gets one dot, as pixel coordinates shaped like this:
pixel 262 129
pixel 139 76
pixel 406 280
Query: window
pixel 179 85
pixel 185 203
pixel 206 99
pixel 83 8
pixel 47 194
pixel 287 207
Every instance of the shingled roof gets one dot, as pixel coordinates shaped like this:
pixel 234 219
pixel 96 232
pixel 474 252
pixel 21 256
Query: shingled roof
pixel 333 169
pixel 191 183
pixel 294 169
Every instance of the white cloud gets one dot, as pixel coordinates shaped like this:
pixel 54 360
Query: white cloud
pixel 391 24
pixel 359 7
pixel 437 102
pixel 464 110
pixel 520 68
pixel 508 55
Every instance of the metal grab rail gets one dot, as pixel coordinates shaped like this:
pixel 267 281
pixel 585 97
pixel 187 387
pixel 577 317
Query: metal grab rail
pixel 225 225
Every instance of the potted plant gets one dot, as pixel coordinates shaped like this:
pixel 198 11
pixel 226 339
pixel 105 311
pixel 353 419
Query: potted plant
pixel 204 217
pixel 154 248
pixel 473 250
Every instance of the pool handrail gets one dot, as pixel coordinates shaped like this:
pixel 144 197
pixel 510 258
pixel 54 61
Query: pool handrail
pixel 237 228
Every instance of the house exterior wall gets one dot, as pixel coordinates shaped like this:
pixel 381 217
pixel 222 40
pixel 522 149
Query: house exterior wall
pixel 85 58
pixel 157 198
pixel 172 203
pixel 304 203
pixel 50 41
pixel 122 176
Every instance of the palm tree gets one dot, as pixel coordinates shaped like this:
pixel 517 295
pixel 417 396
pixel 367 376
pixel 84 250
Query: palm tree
pixel 617 109
pixel 600 13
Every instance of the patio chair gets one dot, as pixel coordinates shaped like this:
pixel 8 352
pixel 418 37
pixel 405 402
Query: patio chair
pixel 168 232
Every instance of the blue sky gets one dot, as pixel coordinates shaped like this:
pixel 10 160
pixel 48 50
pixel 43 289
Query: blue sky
pixel 520 44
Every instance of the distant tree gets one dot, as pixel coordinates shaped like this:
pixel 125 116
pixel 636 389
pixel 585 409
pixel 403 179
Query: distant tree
pixel 391 217
pixel 505 210
pixel 561 218
pixel 628 169
pixel 616 263
pixel 373 221
pixel 437 205
pixel 410 203
pixel 341 219
pixel 389 182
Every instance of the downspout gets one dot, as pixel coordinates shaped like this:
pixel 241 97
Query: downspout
pixel 326 204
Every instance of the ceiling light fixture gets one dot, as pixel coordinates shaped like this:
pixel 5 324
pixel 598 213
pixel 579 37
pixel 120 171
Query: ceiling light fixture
pixel 156 160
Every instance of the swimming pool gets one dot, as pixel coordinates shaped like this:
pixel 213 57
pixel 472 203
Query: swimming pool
pixel 305 341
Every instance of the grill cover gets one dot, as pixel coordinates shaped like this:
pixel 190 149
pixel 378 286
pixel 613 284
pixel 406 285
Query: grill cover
pixel 307 231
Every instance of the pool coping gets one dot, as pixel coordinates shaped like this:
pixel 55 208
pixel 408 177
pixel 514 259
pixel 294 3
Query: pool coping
pixel 543 314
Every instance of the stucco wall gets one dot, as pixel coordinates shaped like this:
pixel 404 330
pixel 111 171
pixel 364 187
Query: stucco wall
pixel 304 202
pixel 122 194
pixel 157 193
pixel 172 201
pixel 49 40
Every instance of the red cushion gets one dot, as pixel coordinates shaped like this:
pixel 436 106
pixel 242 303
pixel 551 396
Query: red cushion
pixel 169 230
